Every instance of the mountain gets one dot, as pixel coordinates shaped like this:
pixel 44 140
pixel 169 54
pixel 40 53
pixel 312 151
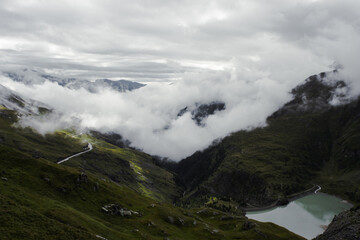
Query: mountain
pixel 114 192
pixel 313 139
pixel 119 85
pixel 318 94
pixel 201 111
pixel 33 77
pixel 110 192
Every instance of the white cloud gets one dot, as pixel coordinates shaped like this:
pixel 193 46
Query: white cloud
pixel 248 54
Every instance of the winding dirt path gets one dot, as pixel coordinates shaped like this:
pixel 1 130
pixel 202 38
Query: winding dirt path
pixel 90 147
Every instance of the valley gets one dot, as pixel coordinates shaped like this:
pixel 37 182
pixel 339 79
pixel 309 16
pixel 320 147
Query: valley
pixel 179 120
pixel 92 185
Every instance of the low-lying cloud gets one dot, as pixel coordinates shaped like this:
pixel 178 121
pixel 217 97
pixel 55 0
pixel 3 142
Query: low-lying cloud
pixel 248 54
pixel 148 116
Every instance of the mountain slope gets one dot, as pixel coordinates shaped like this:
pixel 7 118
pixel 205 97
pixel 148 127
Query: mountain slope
pixel 41 200
pixel 308 141
pixel 108 193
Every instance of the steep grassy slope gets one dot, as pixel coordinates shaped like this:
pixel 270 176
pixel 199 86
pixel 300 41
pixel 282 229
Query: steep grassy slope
pixel 306 142
pixel 341 173
pixel 127 167
pixel 262 165
pixel 43 200
pixel 124 166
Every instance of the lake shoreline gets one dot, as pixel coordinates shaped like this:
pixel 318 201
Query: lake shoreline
pixel 289 198
pixel 307 214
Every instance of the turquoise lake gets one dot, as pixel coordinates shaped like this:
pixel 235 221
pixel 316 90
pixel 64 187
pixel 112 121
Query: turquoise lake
pixel 307 216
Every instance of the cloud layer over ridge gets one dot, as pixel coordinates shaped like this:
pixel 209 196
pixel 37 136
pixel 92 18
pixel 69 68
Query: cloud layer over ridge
pixel 248 54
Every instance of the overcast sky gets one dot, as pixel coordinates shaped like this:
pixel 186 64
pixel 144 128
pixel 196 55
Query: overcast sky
pixel 157 40
pixel 247 53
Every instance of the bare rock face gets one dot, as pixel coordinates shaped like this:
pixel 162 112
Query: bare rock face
pixel 35 77
pixel 345 226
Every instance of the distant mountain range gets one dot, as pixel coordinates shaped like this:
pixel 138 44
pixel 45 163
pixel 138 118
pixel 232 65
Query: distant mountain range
pixel 33 77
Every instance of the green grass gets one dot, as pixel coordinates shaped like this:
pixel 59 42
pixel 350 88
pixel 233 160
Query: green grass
pixel 43 200
pixel 33 143
pixel 47 200
pixel 128 167
pixel 124 166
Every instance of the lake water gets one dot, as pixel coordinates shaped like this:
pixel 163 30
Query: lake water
pixel 306 216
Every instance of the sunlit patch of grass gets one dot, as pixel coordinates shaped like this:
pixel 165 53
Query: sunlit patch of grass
pixel 145 191
pixel 138 170
pixel 83 137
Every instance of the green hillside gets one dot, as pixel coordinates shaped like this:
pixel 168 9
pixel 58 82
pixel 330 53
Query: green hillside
pixel 93 195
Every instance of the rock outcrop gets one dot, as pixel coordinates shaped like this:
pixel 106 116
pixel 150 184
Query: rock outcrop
pixel 345 226
pixel 115 209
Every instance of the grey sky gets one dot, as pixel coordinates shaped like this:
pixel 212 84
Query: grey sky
pixel 159 38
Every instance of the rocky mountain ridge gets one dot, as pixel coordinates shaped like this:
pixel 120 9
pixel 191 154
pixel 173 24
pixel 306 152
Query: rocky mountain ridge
pixel 345 226
pixel 318 93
